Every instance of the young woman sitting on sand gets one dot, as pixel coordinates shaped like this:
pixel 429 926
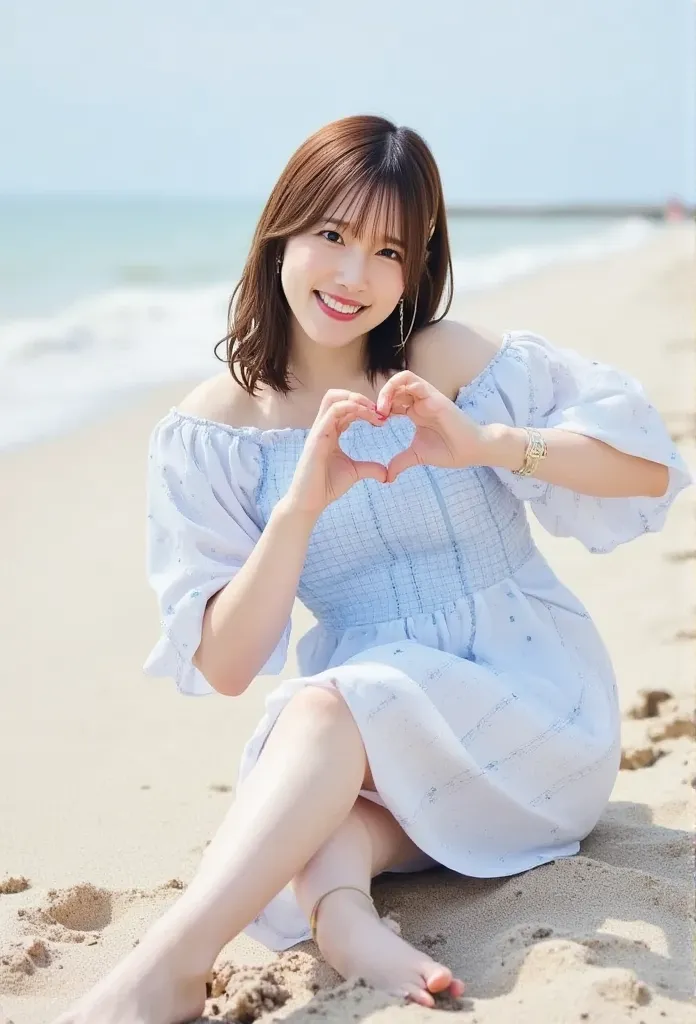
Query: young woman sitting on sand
pixel 454 705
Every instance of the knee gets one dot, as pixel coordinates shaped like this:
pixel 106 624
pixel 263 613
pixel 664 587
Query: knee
pixel 321 702
pixel 326 708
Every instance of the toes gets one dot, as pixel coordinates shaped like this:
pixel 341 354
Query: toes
pixel 419 995
pixel 457 988
pixel 437 978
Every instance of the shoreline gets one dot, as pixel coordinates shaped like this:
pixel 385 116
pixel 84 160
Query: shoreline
pixel 113 782
pixel 122 341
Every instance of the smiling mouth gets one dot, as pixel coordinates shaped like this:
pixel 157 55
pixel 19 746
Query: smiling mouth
pixel 337 314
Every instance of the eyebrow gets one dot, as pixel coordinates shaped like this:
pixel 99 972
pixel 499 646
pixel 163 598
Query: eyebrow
pixel 346 224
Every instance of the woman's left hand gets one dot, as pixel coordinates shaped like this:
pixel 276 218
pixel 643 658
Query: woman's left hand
pixel 445 436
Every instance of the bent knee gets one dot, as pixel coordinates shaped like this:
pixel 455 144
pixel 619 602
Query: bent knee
pixel 323 706
pixel 327 704
pixel 320 700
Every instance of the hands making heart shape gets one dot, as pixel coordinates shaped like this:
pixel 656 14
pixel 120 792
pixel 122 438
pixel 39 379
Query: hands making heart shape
pixel 444 436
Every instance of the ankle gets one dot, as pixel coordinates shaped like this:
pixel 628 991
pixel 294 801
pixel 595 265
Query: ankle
pixel 179 948
pixel 339 910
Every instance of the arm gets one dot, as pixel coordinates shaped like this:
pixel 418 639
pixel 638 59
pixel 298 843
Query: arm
pixel 582 464
pixel 451 354
pixel 243 621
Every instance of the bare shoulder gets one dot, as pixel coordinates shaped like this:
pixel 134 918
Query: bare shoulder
pixel 450 354
pixel 221 399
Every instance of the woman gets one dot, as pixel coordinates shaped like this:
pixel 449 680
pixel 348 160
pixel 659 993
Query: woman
pixel 455 704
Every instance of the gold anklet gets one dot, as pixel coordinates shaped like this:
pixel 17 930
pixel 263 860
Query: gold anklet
pixel 315 908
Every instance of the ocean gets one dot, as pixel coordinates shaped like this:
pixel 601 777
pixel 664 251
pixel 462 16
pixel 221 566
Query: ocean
pixel 103 297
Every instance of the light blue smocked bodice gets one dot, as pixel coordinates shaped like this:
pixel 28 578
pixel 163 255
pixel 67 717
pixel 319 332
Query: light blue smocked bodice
pixel 390 551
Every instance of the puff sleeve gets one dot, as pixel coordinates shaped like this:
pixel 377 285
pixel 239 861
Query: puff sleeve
pixel 200 531
pixel 532 383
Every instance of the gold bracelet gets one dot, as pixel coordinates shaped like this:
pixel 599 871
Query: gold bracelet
pixel 536 451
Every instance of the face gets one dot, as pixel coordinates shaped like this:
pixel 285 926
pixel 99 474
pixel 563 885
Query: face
pixel 338 286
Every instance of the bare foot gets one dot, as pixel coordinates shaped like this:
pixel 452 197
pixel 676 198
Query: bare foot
pixel 145 988
pixel 357 943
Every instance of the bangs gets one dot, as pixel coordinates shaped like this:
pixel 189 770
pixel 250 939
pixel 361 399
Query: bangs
pixel 381 206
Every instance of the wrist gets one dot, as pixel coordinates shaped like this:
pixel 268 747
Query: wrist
pixel 289 511
pixel 503 447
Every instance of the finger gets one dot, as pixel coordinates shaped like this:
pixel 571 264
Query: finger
pixel 371 471
pixel 334 395
pixel 362 412
pixel 404 460
pixel 390 387
pixel 401 402
pixel 410 395
pixel 419 389
pixel 328 425
pixel 403 395
pixel 341 414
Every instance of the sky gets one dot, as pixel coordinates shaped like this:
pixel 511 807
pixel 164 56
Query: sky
pixel 520 100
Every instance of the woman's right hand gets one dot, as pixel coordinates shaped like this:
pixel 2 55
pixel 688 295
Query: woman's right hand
pixel 324 471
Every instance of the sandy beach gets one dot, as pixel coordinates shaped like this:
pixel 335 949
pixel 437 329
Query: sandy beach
pixel 112 783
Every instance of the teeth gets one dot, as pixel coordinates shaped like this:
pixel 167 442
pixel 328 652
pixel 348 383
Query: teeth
pixel 339 306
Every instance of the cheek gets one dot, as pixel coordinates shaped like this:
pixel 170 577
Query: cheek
pixel 302 257
pixel 389 283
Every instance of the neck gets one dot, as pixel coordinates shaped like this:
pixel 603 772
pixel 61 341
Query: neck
pixel 318 367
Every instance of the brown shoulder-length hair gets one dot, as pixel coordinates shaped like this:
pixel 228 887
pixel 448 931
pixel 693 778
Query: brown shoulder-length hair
pixel 378 166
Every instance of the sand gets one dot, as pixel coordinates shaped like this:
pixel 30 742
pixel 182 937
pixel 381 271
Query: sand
pixel 112 783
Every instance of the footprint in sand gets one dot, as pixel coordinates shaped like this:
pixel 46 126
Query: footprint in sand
pixel 70 915
pixel 673 728
pixel 681 556
pixel 639 757
pixel 64 916
pixel 14 884
pixel 21 960
pixel 533 953
pixel 649 702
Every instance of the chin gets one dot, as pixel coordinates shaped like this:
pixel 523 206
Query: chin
pixel 332 338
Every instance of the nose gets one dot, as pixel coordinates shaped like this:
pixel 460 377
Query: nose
pixel 352 269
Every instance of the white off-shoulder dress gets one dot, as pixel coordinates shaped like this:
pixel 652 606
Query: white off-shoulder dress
pixel 484 696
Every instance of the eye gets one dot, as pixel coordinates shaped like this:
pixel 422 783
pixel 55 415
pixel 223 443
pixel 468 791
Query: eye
pixel 329 231
pixel 394 253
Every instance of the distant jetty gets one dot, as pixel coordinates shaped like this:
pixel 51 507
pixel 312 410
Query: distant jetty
pixel 666 211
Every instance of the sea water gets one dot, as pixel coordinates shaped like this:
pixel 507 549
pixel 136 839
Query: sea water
pixel 102 297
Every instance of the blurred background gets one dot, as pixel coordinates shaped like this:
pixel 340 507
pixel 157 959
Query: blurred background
pixel 140 142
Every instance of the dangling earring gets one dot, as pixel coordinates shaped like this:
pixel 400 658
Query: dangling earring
pixel 279 263
pixel 401 318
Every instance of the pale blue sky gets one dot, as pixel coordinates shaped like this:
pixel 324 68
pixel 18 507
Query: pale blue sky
pixel 521 100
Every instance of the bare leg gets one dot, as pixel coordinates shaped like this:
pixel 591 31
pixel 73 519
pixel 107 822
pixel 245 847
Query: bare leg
pixel 350 935
pixel 303 786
